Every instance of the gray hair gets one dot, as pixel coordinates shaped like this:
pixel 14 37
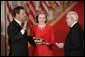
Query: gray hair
pixel 73 14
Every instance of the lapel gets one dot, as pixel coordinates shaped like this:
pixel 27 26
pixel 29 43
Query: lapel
pixel 17 25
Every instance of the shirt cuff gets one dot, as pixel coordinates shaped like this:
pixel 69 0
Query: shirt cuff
pixel 22 31
pixel 34 38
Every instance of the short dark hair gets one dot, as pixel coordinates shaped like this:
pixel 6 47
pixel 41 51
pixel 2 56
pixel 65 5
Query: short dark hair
pixel 38 16
pixel 16 10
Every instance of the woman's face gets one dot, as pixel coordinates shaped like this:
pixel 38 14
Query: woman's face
pixel 41 18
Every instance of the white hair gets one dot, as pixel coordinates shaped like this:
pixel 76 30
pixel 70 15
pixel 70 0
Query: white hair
pixel 72 14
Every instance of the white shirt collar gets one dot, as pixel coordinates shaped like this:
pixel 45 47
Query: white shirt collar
pixel 73 24
pixel 19 22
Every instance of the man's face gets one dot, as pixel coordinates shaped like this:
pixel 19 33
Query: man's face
pixel 22 14
pixel 69 20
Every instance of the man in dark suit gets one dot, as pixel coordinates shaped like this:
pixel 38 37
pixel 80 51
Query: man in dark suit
pixel 18 37
pixel 74 43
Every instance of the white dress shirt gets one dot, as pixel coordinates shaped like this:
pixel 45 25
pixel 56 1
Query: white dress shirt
pixel 73 24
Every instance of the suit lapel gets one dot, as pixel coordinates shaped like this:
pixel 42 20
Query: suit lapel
pixel 17 24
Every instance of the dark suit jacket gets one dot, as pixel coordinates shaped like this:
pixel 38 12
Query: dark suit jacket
pixel 17 41
pixel 74 44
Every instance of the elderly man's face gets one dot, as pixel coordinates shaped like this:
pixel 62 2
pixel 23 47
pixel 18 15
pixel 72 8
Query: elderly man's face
pixel 69 20
pixel 71 17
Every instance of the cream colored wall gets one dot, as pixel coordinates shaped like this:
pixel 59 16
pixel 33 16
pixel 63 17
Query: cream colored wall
pixel 2 18
pixel 4 36
pixel 2 30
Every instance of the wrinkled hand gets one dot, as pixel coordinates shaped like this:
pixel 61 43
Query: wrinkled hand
pixel 60 45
